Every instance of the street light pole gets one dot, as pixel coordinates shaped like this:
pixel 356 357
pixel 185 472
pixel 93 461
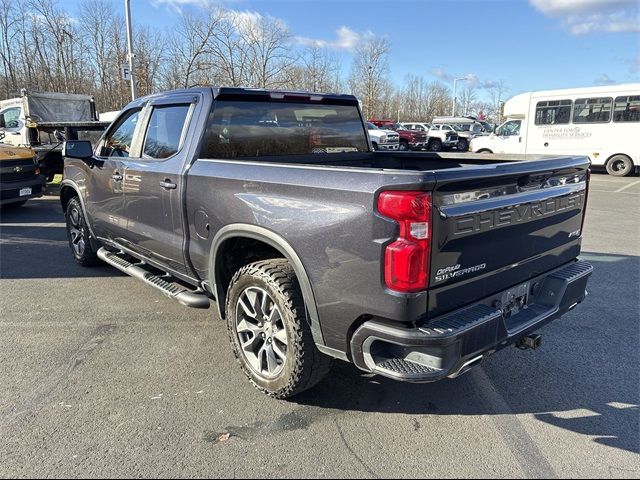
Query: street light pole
pixel 127 6
pixel 453 107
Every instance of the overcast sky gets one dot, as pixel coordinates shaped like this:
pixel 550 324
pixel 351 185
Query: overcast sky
pixel 529 44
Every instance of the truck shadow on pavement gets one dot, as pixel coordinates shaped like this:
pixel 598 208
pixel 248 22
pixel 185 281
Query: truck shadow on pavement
pixel 584 378
pixel 33 244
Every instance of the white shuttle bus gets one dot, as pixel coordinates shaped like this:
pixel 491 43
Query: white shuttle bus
pixel 602 123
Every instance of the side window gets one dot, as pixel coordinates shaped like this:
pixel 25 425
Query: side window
pixel 119 140
pixel 165 131
pixel 627 109
pixel 477 128
pixel 592 110
pixel 510 128
pixel 435 127
pixel 11 117
pixel 553 112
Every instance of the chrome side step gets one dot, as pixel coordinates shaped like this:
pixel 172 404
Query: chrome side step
pixel 190 298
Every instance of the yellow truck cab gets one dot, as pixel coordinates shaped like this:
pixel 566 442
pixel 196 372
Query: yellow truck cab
pixel 20 177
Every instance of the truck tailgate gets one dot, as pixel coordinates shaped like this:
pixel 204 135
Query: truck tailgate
pixel 496 226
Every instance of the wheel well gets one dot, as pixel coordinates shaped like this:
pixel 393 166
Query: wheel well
pixel 484 150
pixel 234 254
pixel 66 194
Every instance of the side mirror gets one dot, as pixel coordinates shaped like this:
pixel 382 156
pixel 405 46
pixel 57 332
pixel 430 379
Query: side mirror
pixel 3 124
pixel 80 149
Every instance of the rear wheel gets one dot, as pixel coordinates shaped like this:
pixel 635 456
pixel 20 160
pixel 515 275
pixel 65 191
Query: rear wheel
pixel 435 145
pixel 619 166
pixel 78 235
pixel 269 332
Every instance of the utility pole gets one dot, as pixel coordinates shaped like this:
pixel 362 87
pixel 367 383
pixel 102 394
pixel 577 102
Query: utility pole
pixel 127 6
pixel 453 107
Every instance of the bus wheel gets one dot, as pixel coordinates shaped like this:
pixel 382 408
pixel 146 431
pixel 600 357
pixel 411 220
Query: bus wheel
pixel 619 166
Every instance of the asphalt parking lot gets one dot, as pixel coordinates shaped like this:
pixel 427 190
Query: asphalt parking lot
pixel 102 376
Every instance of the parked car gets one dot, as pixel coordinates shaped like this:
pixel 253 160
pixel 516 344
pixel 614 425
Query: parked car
pixel 315 246
pixel 466 128
pixel 31 120
pixel 437 140
pixel 20 178
pixel 383 139
pixel 409 139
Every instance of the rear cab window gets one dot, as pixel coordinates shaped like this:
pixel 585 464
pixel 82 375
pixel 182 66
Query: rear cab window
pixel 244 129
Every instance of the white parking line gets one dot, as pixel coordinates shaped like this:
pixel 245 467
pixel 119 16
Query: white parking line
pixel 627 186
pixel 34 225
pixel 614 191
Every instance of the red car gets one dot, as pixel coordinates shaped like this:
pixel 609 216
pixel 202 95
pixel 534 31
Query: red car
pixel 409 139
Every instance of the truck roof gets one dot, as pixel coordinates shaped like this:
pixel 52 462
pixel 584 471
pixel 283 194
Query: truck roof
pixel 259 94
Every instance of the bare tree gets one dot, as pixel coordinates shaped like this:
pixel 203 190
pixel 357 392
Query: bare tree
pixel 497 92
pixel 369 77
pixel 468 96
pixel 269 55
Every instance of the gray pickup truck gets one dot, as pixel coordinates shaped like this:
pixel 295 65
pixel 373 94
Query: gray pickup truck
pixel 411 265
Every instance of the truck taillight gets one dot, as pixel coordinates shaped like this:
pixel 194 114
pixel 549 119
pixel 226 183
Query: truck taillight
pixel 406 260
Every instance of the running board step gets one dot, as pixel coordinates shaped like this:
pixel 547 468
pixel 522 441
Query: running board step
pixel 190 298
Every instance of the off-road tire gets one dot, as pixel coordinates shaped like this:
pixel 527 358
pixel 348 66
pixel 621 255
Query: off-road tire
pixel 304 366
pixel 75 220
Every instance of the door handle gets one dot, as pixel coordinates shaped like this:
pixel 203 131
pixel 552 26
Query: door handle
pixel 116 177
pixel 168 185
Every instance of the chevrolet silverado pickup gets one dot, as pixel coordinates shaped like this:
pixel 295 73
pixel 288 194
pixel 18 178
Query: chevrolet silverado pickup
pixel 411 265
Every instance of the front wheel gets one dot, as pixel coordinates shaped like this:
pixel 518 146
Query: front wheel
pixel 269 332
pixel 435 146
pixel 404 147
pixel 78 235
pixel 462 145
pixel 619 166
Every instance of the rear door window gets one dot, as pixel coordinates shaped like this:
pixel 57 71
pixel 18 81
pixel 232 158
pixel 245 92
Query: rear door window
pixel 164 132
pixel 239 129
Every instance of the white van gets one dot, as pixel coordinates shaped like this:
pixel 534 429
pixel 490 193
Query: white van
pixel 602 123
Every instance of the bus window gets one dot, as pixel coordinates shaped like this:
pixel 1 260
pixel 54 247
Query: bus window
pixel 627 109
pixel 553 112
pixel 592 110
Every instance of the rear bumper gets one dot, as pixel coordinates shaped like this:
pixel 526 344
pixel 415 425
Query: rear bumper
pixel 450 345
pixel 10 191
